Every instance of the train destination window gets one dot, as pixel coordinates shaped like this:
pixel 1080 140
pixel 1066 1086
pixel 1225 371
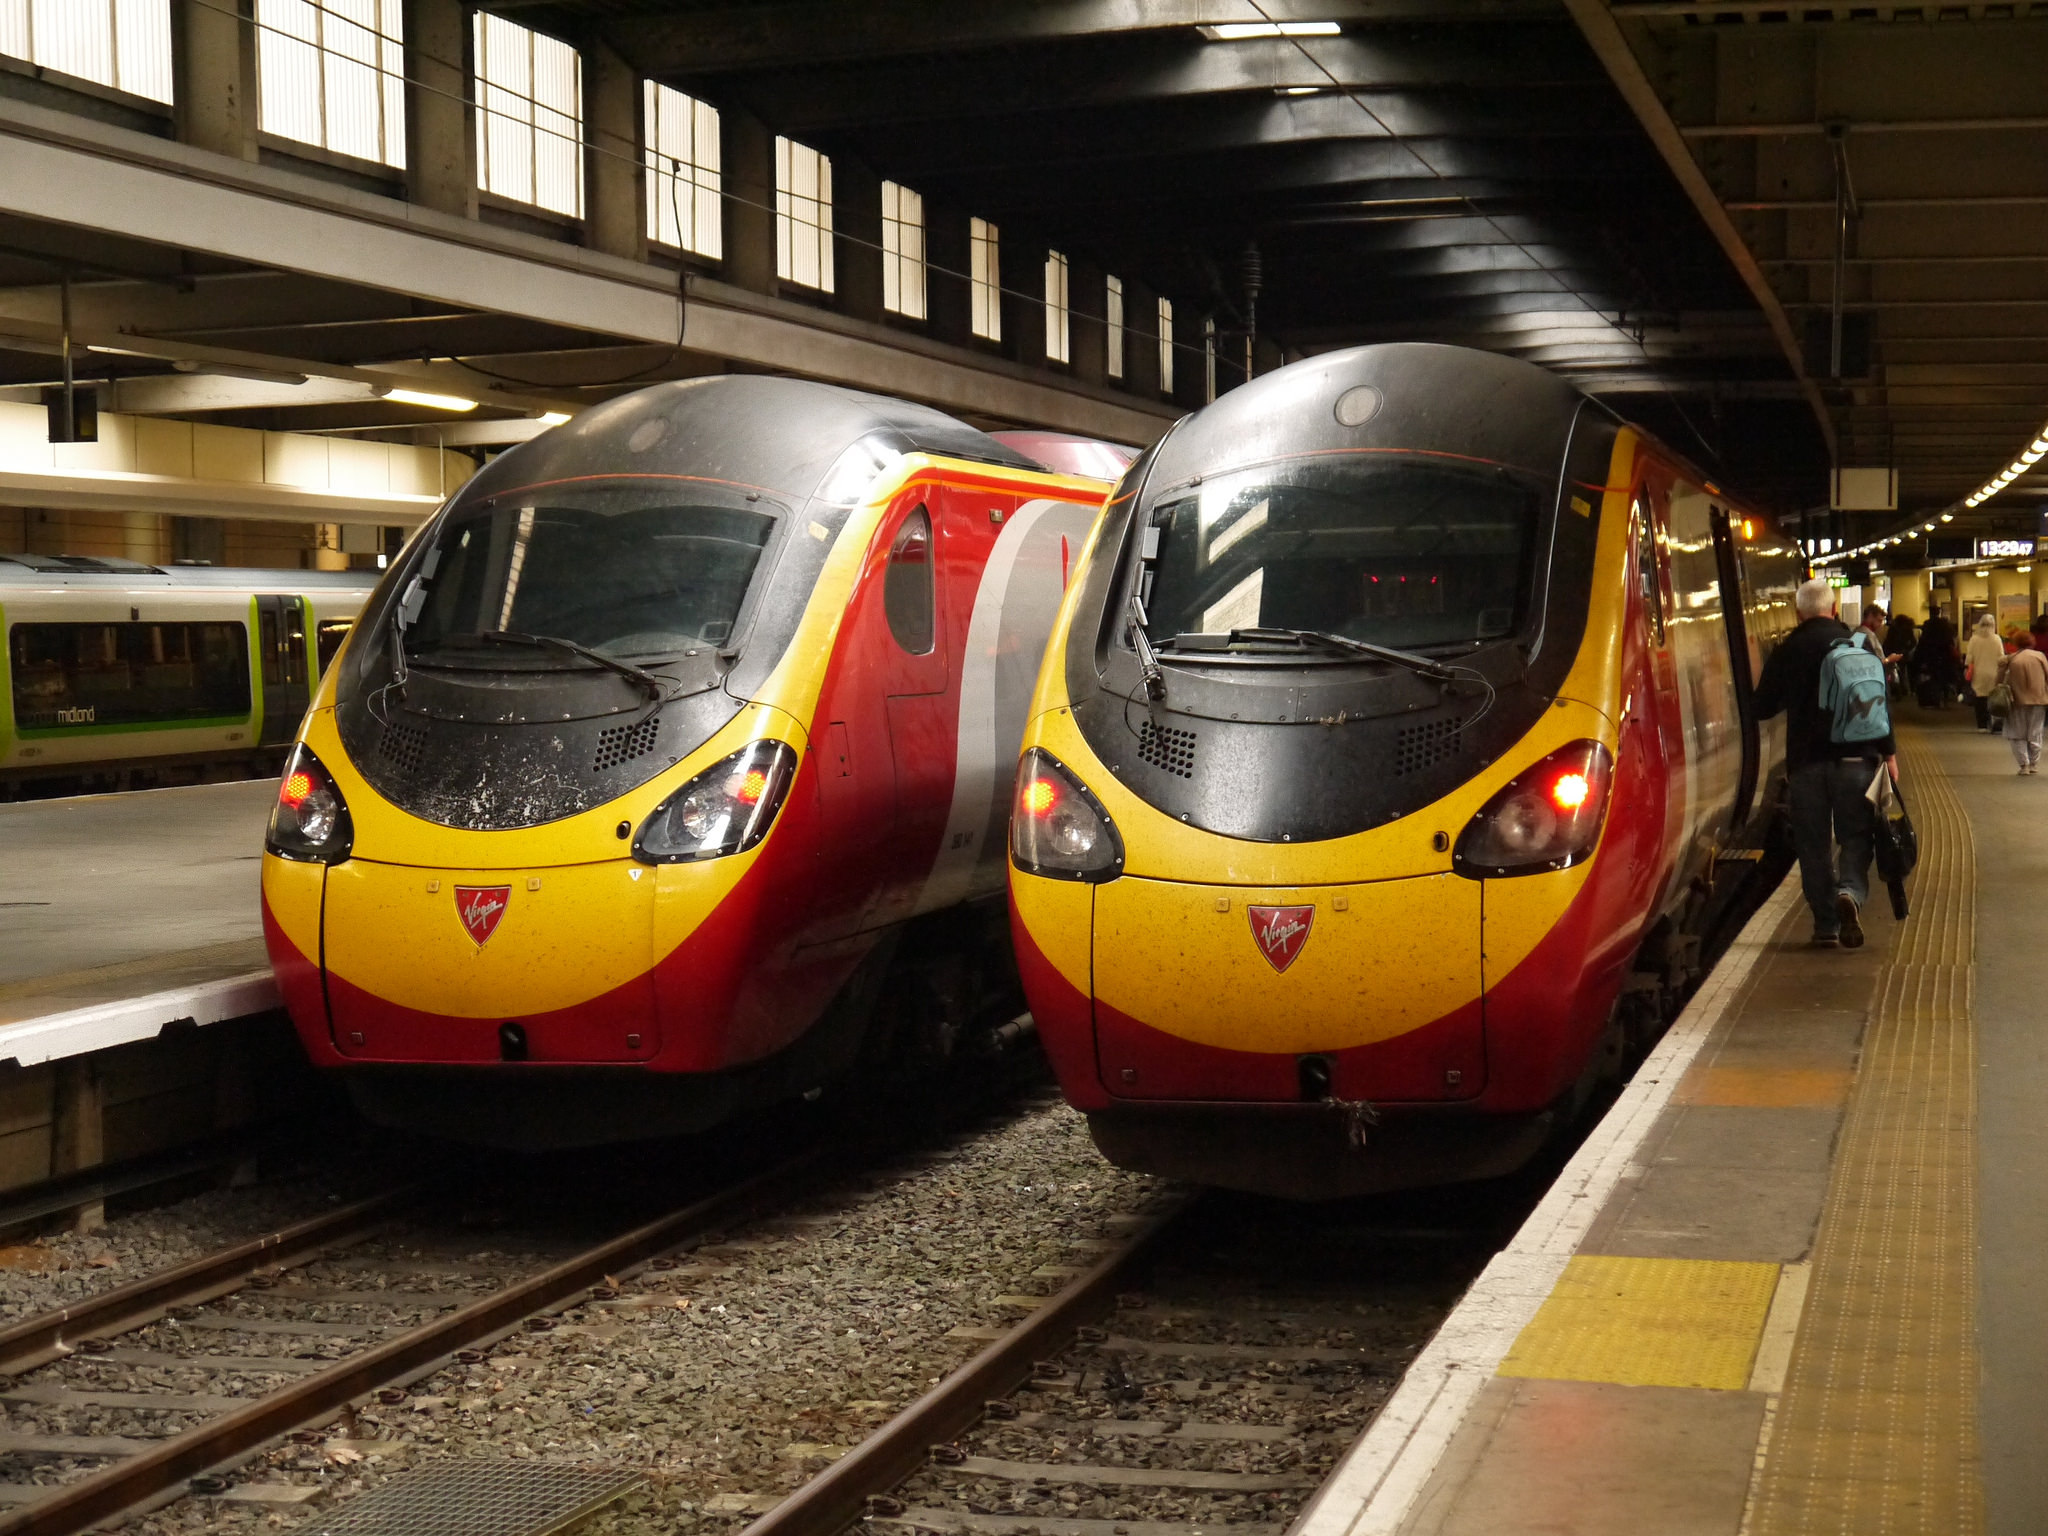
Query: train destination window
pixel 1399 554
pixel 907 586
pixel 623 570
pixel 128 674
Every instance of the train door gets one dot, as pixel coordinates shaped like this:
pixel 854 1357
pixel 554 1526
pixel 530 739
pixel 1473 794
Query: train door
pixel 1653 703
pixel 1734 610
pixel 281 644
pixel 888 657
pixel 917 581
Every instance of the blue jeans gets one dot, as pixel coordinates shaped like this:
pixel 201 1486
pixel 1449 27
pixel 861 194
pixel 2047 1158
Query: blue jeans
pixel 1828 808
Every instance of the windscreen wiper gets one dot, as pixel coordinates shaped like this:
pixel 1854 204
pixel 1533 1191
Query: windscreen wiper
pixel 555 643
pixel 1408 659
pixel 1148 658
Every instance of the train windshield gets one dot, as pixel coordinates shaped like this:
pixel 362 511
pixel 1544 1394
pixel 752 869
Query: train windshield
pixel 1401 552
pixel 630 572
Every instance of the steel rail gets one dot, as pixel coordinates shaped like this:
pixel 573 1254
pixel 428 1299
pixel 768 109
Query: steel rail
pixel 40 1339
pixel 74 1507
pixel 838 1496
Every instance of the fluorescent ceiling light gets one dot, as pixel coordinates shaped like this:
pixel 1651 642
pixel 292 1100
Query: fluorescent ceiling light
pixel 553 418
pixel 1296 90
pixel 1238 31
pixel 432 401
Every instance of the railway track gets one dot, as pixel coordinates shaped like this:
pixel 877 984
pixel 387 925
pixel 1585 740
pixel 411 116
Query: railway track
pixel 147 1391
pixel 1199 1373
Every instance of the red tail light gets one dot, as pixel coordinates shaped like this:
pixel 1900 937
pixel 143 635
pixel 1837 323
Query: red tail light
pixel 727 808
pixel 1058 828
pixel 1549 817
pixel 310 821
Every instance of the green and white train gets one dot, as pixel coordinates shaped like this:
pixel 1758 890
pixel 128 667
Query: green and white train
pixel 117 674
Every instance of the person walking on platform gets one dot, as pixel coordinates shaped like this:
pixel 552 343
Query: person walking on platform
pixel 2026 673
pixel 1982 659
pixel 1934 661
pixel 1837 729
pixel 1898 642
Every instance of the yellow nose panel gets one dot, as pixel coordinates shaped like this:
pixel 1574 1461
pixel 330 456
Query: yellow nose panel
pixel 1233 966
pixel 489 943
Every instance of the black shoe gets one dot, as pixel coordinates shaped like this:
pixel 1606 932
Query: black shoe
pixel 1827 941
pixel 1852 926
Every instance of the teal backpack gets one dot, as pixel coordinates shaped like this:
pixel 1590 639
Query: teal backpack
pixel 1853 692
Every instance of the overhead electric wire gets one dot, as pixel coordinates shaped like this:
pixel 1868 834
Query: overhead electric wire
pixel 639 163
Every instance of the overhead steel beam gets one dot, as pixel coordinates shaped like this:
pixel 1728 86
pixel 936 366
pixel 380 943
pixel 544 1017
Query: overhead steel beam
pixel 772 36
pixel 1246 120
pixel 1597 22
pixel 1508 56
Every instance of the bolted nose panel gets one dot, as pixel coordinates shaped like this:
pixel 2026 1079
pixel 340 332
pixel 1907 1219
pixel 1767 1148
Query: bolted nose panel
pixel 1216 992
pixel 428 964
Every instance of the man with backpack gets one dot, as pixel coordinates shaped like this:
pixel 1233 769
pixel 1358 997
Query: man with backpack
pixel 1838 728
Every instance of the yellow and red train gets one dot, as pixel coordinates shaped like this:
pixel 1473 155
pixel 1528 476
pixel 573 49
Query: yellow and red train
pixel 1385 745
pixel 676 738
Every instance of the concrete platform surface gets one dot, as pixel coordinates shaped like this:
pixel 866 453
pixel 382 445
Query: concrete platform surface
pixel 110 901
pixel 1765 1297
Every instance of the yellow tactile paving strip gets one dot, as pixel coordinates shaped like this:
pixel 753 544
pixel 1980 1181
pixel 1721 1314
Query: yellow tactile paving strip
pixel 1648 1323
pixel 1765 1087
pixel 1877 1427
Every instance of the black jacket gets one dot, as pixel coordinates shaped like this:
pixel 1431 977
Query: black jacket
pixel 1791 686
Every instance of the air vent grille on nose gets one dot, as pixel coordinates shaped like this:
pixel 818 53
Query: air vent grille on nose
pixel 618 744
pixel 1167 749
pixel 404 747
pixel 1424 746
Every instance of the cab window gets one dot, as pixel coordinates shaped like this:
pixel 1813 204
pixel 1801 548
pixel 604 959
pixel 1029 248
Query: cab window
pixel 907 595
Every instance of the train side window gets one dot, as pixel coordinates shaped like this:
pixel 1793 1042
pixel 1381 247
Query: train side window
pixel 907 594
pixel 1646 563
pixel 327 637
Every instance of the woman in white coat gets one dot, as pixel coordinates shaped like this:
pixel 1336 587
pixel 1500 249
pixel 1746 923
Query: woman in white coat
pixel 1983 657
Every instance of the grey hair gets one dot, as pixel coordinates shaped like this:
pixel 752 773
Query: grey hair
pixel 1814 598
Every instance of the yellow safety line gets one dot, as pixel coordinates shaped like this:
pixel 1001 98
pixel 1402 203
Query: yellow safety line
pixel 1876 1430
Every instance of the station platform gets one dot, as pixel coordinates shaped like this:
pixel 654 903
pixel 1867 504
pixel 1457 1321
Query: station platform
pixel 1792 1282
pixel 120 914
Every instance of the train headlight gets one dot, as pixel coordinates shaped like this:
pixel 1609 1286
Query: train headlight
pixel 1548 818
pixel 727 808
pixel 1057 828
pixel 310 820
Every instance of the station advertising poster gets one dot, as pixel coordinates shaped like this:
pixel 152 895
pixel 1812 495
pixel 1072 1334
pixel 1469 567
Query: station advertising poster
pixel 2013 611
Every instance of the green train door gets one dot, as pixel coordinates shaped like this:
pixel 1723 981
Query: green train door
pixel 281 642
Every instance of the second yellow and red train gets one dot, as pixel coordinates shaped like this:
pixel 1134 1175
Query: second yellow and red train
pixel 1384 749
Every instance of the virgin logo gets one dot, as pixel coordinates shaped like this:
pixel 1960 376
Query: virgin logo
pixel 1281 932
pixel 480 907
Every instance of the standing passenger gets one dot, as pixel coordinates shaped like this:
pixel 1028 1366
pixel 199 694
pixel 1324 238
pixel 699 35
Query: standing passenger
pixel 1828 779
pixel 1934 662
pixel 2026 673
pixel 1986 653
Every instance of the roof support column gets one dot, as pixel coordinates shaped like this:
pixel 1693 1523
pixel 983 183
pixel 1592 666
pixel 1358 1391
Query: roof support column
pixel 616 215
pixel 213 75
pixel 857 238
pixel 1141 339
pixel 440 131
pixel 1022 261
pixel 749 159
pixel 947 257
pixel 1088 325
